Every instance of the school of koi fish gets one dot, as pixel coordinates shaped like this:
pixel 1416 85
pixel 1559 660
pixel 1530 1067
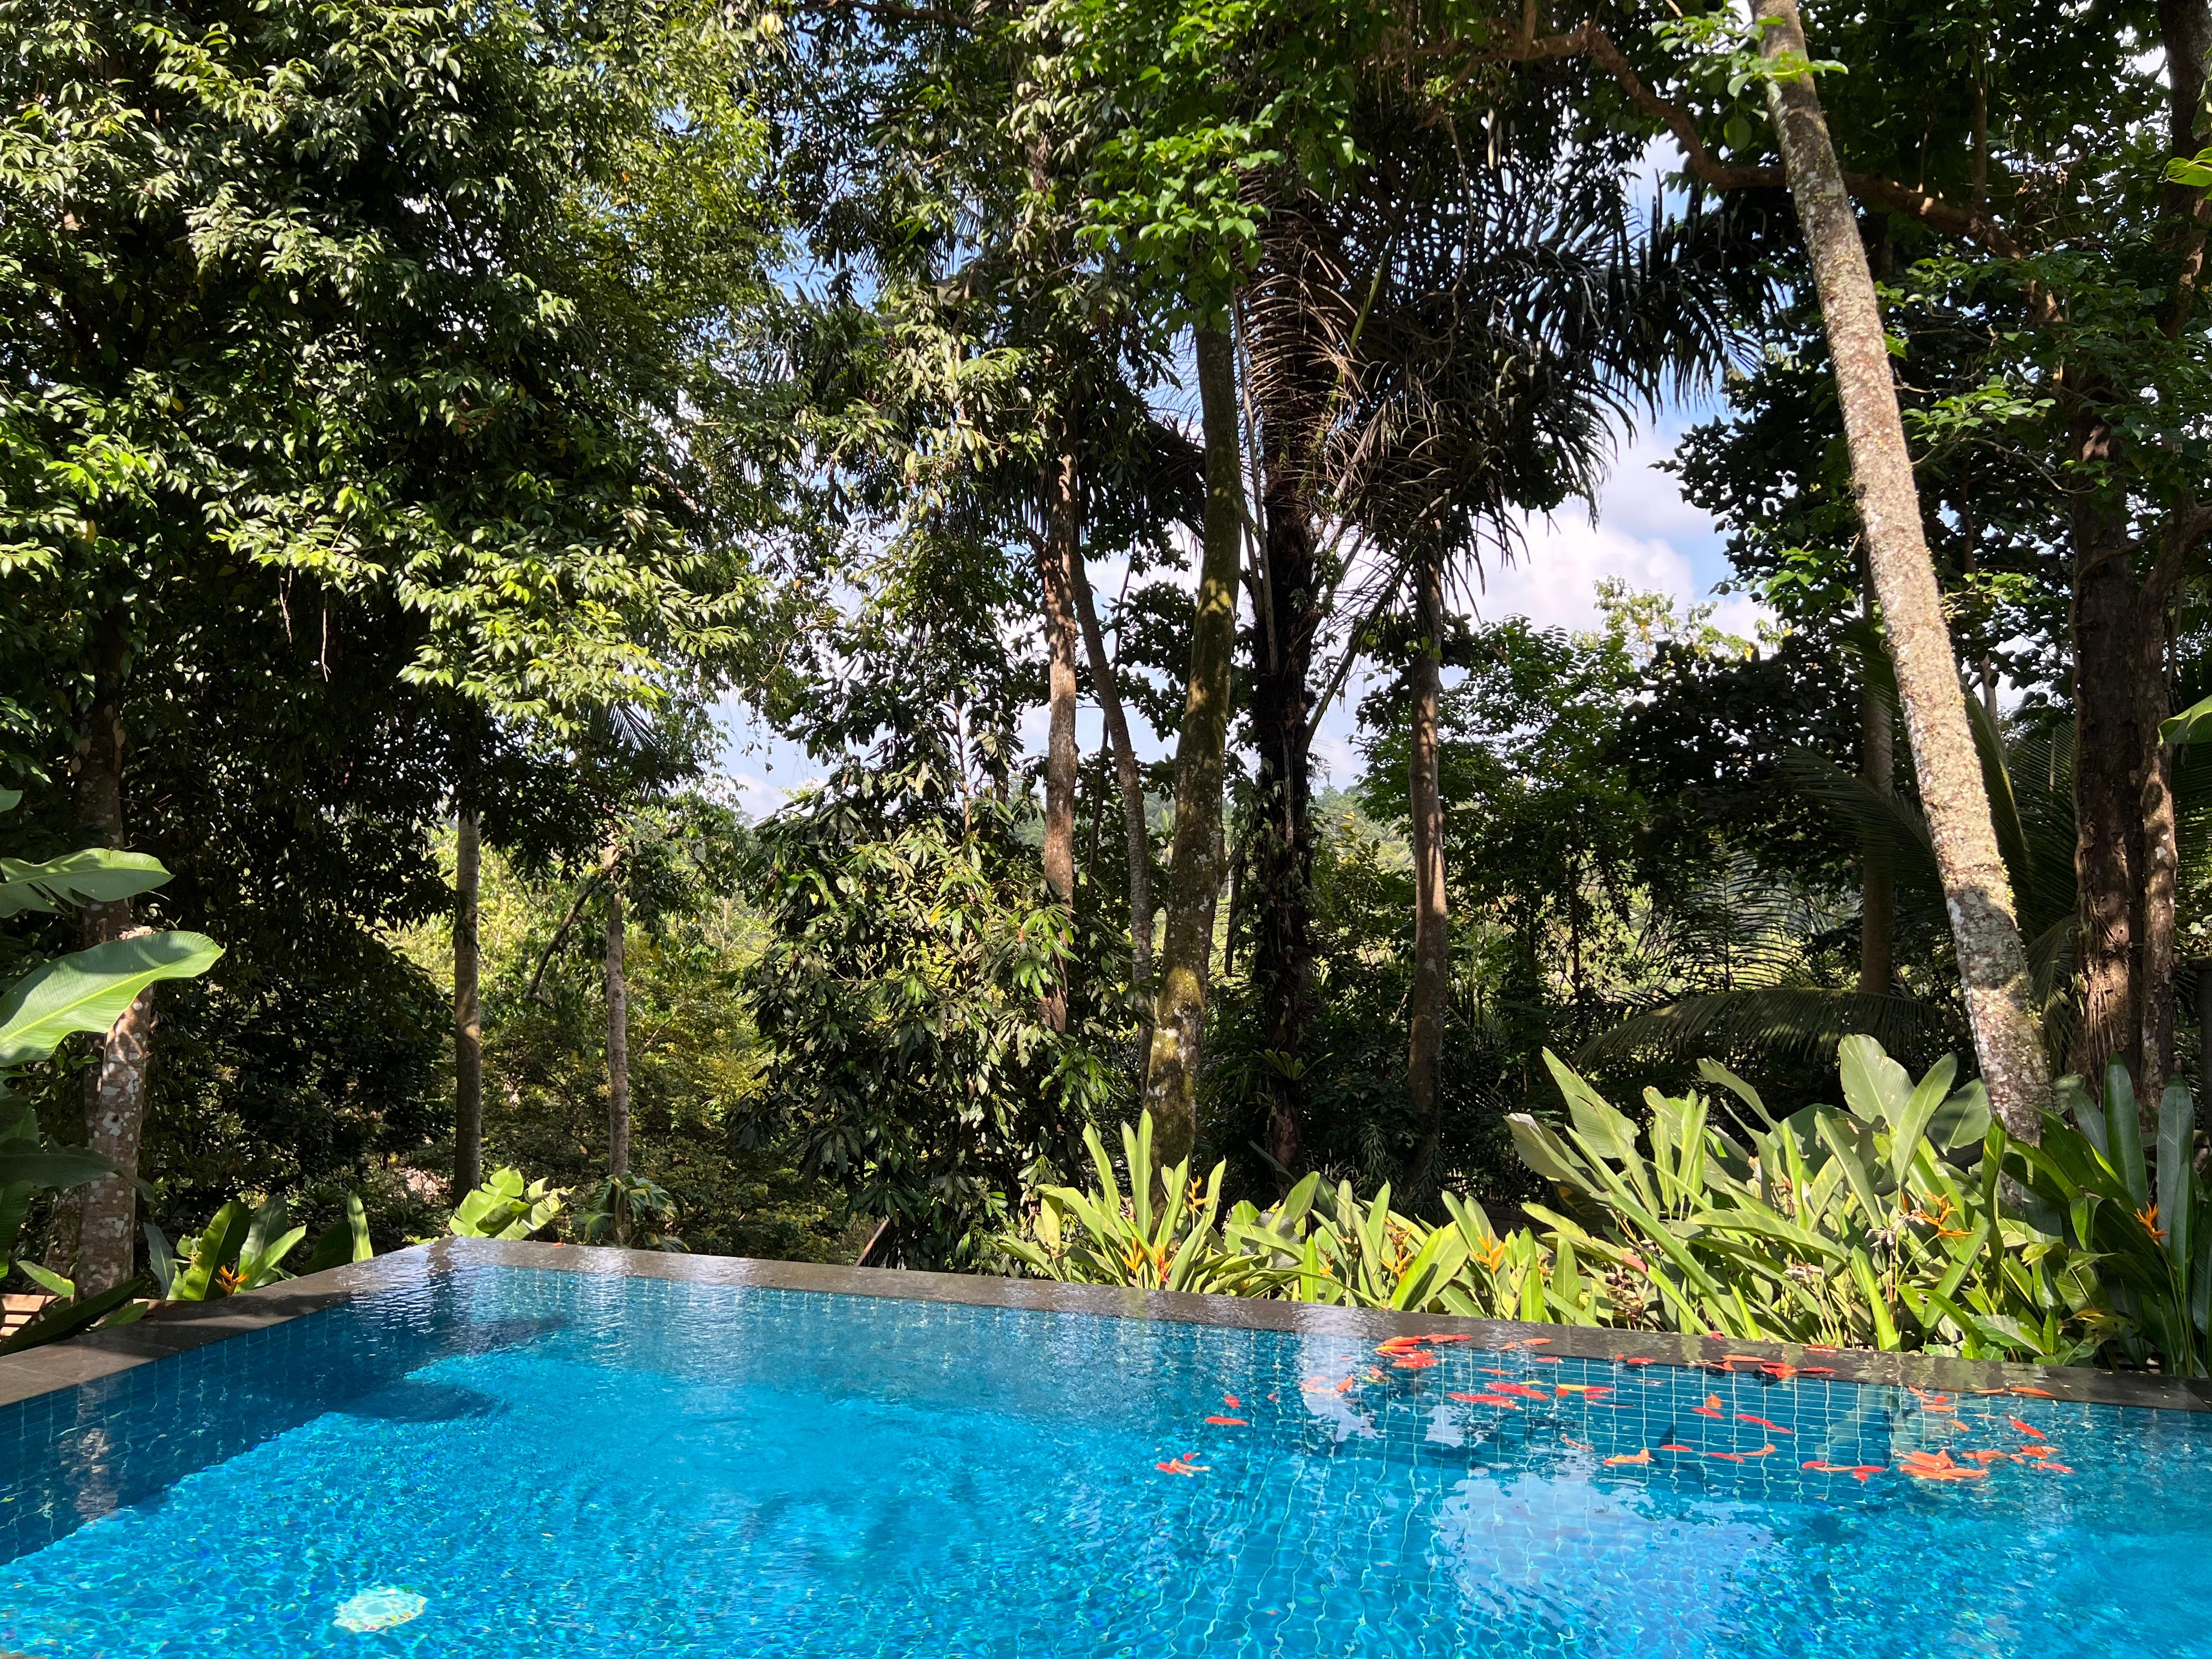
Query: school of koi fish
pixel 1940 1411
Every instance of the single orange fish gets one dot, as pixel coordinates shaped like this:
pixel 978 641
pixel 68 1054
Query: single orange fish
pixel 1493 1370
pixel 1817 1371
pixel 1442 1339
pixel 1544 1359
pixel 1346 1387
pixel 1986 1456
pixel 1176 1465
pixel 1642 1457
pixel 1742 1358
pixel 2027 1429
pixel 2056 1468
pixel 1486 1399
pixel 1531 1342
pixel 2039 1393
pixel 1588 1390
pixel 1633 1360
pixel 1234 1403
pixel 1413 1362
pixel 1777 1369
pixel 1229 1422
pixel 1521 1389
pixel 1670 1447
pixel 1746 1417
pixel 1577 1444
pixel 1711 1408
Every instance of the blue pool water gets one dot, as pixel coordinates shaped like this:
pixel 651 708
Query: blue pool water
pixel 521 1462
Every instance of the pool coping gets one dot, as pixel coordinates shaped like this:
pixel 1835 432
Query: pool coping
pixel 184 1327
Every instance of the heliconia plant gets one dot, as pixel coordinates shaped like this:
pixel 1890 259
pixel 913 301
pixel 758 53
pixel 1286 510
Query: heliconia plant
pixel 1906 1218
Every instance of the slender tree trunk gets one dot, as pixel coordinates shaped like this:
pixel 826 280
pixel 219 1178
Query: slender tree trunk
pixel 1877 882
pixel 106 1218
pixel 1977 893
pixel 2110 748
pixel 468 1017
pixel 617 1028
pixel 1194 871
pixel 1291 391
pixel 2161 843
pixel 1136 836
pixel 1431 918
pixel 1056 554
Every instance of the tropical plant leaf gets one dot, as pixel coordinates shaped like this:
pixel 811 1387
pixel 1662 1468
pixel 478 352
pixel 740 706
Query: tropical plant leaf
pixel 95 875
pixel 87 990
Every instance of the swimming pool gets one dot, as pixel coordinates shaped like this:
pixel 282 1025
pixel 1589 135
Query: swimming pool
pixel 492 1458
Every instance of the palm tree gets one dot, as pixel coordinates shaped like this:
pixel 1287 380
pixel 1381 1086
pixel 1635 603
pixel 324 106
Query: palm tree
pixel 1499 327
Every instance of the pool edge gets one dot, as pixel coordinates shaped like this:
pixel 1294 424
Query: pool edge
pixel 106 1353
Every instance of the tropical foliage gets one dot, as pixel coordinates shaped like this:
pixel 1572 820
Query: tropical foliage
pixel 1887 1224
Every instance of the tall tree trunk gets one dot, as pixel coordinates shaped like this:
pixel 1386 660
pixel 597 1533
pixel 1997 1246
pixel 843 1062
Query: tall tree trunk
pixel 1877 882
pixel 1431 919
pixel 617 1028
pixel 1977 893
pixel 1056 554
pixel 1136 836
pixel 468 1017
pixel 1292 381
pixel 2126 853
pixel 1195 870
pixel 2110 749
pixel 106 1230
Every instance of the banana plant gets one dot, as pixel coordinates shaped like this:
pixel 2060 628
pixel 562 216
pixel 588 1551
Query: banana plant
pixel 241 1250
pixel 630 1209
pixel 506 1206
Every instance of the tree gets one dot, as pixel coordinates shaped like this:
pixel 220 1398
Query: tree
pixel 1992 963
pixel 449 410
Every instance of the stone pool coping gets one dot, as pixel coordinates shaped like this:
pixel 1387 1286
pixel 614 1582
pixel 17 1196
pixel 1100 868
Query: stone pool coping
pixel 183 1327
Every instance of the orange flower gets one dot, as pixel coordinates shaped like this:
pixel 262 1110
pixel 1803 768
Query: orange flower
pixel 2150 1219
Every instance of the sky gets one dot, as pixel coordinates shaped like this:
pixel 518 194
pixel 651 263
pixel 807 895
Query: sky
pixel 1643 532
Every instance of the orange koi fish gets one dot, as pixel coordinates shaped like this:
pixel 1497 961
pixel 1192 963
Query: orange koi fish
pixel 1777 1369
pixel 1641 1458
pixel 2027 1429
pixel 1588 1390
pixel 1860 1471
pixel 1177 1466
pixel 1531 1342
pixel 2039 1393
pixel 1711 1408
pixel 1746 1417
pixel 1577 1444
pixel 1670 1446
pixel 1439 1339
pixel 1486 1399
pixel 1938 1466
pixel 1633 1360
pixel 1229 1422
pixel 1413 1362
pixel 1544 1359
pixel 1521 1389
pixel 1234 1403
pixel 1493 1370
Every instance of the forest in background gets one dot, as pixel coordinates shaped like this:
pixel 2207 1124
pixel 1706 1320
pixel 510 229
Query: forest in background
pixel 416 421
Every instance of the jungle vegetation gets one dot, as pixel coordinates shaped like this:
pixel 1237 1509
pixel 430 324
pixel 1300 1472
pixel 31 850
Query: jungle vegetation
pixel 426 432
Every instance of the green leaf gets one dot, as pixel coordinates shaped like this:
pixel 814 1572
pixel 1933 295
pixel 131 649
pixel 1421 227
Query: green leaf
pixel 2176 1145
pixel 2124 1134
pixel 52 1283
pixel 97 875
pixel 88 990
pixel 1963 1119
pixel 1906 1128
pixel 51 1168
pixel 70 1318
pixel 1851 1140
pixel 1875 1087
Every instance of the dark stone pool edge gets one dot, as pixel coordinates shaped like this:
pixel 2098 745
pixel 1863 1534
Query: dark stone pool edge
pixel 177 1330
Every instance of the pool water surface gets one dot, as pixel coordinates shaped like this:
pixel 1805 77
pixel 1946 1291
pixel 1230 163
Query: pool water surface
pixel 502 1460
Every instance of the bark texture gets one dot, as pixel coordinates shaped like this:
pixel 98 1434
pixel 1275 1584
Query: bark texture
pixel 618 1030
pixel 1195 852
pixel 2126 856
pixel 1976 890
pixel 1431 919
pixel 1877 882
pixel 1056 553
pixel 106 1234
pixel 1130 784
pixel 468 1015
pixel 1292 382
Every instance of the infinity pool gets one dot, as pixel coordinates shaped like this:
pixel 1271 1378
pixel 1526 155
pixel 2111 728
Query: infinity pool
pixel 525 1462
